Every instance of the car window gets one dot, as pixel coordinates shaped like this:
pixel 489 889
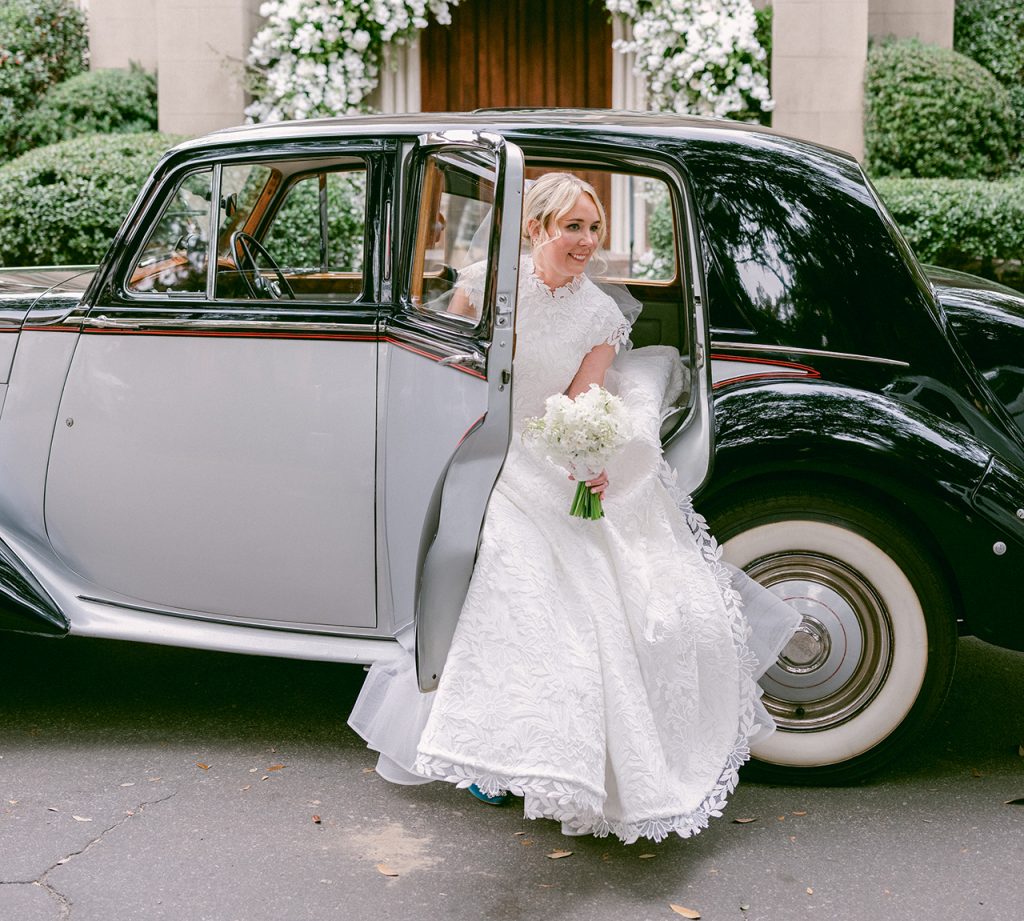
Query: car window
pixel 176 255
pixel 452 232
pixel 292 236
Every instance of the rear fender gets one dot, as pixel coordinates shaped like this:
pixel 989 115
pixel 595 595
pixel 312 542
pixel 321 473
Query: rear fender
pixel 926 470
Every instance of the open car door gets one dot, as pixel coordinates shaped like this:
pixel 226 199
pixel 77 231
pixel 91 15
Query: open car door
pixel 448 373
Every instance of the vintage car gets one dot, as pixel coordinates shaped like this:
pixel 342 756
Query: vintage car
pixel 256 427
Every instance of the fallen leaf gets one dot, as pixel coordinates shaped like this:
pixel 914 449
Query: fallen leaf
pixel 744 907
pixel 132 784
pixel 12 802
pixel 976 773
pixel 685 912
pixel 1015 802
pixel 1020 749
pixel 526 842
pixel 276 767
pixel 801 812
pixel 253 770
pixel 152 779
pixel 792 839
pixel 248 786
pixel 781 818
pixel 810 891
pixel 80 818
pixel 205 767
pixel 265 777
pixel 743 821
pixel 385 870
pixel 316 820
pixel 647 856
pixel 557 855
pixel 518 834
pixel 545 885
pixel 369 770
pixel 52 809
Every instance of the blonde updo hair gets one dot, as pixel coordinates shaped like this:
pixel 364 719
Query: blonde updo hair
pixel 552 197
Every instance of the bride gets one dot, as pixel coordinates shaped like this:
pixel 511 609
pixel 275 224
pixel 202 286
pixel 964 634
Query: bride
pixel 605 671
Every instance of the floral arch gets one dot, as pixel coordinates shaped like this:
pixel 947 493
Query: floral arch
pixel 324 57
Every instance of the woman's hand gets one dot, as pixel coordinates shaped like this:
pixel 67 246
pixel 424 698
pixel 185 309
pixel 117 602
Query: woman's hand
pixel 599 484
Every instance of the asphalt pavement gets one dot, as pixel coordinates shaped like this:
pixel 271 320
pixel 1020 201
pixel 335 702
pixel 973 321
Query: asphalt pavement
pixel 141 783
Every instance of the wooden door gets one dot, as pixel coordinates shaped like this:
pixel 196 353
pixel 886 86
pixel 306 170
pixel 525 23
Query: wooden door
pixel 518 53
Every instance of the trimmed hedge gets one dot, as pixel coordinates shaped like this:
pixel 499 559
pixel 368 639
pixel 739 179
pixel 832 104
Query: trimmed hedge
pixel 932 112
pixel 62 204
pixel 965 224
pixel 42 42
pixel 991 32
pixel 96 102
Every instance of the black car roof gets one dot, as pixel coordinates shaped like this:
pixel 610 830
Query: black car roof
pixel 649 124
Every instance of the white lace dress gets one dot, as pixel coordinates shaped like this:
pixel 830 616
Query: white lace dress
pixel 602 670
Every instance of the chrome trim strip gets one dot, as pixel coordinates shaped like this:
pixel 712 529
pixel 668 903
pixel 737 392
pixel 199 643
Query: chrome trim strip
pixel 820 353
pixel 171 324
pixel 312 630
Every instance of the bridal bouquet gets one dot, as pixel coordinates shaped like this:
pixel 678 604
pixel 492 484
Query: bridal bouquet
pixel 582 435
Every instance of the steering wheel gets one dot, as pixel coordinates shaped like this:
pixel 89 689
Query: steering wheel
pixel 244 250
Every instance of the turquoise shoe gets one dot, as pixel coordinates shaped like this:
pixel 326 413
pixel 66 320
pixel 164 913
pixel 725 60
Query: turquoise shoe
pixel 498 800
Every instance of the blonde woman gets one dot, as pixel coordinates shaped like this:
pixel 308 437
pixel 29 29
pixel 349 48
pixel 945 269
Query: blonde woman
pixel 601 670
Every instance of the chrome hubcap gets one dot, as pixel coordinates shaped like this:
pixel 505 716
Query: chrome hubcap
pixel 841 653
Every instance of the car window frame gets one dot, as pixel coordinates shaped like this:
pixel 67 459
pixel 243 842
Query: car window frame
pixel 373 153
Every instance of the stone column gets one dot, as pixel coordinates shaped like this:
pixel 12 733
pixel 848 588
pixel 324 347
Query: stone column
pixel 203 45
pixel 122 32
pixel 931 21
pixel 819 52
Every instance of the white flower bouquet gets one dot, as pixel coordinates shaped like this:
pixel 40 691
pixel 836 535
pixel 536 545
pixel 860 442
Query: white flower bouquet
pixel 582 435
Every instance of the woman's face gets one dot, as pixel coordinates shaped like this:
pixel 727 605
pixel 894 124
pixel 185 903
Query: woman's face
pixel 573 239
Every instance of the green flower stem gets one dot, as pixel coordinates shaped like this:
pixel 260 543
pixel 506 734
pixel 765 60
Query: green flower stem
pixel 586 504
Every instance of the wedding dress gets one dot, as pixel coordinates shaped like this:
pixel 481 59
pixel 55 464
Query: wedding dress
pixel 602 670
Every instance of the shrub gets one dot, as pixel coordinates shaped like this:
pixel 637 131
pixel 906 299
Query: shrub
pixel 63 203
pixel 966 224
pixel 932 112
pixel 42 42
pixel 96 102
pixel 991 32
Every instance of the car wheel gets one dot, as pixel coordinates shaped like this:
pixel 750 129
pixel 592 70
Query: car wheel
pixel 871 663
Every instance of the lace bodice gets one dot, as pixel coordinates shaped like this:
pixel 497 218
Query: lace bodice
pixel 554 332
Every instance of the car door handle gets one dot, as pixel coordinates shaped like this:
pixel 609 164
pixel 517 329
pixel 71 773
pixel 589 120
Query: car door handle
pixel 468 359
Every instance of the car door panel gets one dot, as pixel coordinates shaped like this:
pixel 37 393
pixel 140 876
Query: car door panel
pixel 227 475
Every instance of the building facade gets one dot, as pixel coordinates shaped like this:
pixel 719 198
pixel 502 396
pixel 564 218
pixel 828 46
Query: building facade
pixel 512 52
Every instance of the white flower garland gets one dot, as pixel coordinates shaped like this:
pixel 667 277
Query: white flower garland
pixel 322 57
pixel 697 56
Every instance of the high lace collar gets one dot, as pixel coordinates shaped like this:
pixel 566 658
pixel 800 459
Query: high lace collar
pixel 567 290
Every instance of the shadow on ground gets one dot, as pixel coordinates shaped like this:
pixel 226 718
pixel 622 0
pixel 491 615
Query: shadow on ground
pixel 98 689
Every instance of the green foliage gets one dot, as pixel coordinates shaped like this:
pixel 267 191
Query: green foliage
pixel 294 238
pixel 966 224
pixel 42 42
pixel 63 203
pixel 95 102
pixel 932 112
pixel 991 32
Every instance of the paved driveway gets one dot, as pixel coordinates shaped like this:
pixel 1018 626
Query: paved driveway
pixel 143 784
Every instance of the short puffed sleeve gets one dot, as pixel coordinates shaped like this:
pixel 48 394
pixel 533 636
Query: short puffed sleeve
pixel 608 325
pixel 471 280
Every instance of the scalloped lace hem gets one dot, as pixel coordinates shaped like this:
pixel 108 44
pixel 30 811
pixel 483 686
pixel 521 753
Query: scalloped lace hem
pixel 579 810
